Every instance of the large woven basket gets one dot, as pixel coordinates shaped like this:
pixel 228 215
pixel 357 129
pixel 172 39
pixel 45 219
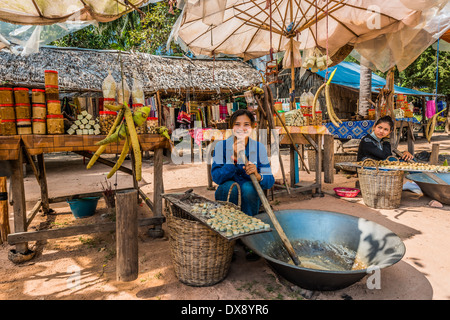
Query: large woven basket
pixel 201 257
pixel 380 189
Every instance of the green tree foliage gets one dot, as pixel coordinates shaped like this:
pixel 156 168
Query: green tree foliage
pixel 145 31
pixel 421 74
pixel 152 33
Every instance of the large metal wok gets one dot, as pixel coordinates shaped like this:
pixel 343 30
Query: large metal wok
pixel 328 244
pixel 430 187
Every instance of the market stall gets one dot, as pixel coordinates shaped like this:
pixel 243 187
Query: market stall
pixel 21 141
pixel 68 108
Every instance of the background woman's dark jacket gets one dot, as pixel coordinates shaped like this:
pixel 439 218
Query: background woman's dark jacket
pixel 371 148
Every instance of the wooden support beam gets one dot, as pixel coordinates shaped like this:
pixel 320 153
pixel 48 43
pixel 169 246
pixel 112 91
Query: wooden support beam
pixel 30 160
pixel 20 237
pixel 104 161
pixel 81 195
pixel 33 213
pixel 99 194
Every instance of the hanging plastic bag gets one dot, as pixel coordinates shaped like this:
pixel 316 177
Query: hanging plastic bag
pixel 310 98
pixel 287 63
pixel 109 87
pixel 304 99
pixel 137 93
pixel 123 92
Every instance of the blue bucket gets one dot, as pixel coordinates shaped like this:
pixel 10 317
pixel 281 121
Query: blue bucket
pixel 83 207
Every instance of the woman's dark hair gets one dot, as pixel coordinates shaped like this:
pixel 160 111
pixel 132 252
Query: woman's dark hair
pixel 241 112
pixel 385 119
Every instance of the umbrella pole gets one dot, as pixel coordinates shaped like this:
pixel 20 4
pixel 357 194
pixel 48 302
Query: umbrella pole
pixel 291 41
pixel 292 104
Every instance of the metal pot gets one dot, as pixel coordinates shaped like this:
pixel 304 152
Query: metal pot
pixel 439 192
pixel 334 240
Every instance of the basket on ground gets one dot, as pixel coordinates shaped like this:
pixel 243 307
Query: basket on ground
pixel 201 257
pixel 380 189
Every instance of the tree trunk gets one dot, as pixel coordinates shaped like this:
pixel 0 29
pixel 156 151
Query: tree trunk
pixel 365 89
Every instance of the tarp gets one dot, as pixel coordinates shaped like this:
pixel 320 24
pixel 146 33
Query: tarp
pixel 27 24
pixel 348 75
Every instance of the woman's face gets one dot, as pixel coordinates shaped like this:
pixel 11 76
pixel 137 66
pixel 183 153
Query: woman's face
pixel 242 127
pixel 382 130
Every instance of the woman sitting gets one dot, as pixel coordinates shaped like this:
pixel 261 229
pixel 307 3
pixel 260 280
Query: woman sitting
pixel 228 168
pixel 376 145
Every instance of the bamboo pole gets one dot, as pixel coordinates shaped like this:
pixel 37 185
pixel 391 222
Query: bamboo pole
pixel 271 215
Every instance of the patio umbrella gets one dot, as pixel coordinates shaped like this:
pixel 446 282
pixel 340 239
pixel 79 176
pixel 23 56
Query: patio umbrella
pixel 255 28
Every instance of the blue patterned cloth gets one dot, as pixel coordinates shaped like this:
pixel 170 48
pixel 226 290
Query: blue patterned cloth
pixel 351 129
pixel 357 129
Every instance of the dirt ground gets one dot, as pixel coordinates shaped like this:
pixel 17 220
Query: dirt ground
pixel 421 274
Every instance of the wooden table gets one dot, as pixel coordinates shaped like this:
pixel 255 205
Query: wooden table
pixel 323 143
pixel 14 150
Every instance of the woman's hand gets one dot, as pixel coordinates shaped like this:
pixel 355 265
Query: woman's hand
pixel 407 156
pixel 238 146
pixel 250 168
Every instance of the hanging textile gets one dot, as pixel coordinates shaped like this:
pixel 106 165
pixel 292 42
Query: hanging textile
pixel 430 109
pixel 183 116
pixel 223 110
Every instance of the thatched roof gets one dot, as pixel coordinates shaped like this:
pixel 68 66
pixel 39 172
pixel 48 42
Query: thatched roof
pixel 82 70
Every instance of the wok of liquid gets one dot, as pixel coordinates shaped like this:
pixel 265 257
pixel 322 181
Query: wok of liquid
pixel 318 255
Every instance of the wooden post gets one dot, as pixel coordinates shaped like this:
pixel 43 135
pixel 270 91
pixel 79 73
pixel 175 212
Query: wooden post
pixel 434 157
pixel 127 267
pixel 319 164
pixel 158 189
pixel 4 218
pixel 328 157
pixel 43 183
pixel 18 195
pixel 411 138
pixel 209 150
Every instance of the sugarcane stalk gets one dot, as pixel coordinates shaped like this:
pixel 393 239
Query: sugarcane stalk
pixel 102 148
pixel 113 107
pixel 134 142
pixel 125 150
pixel 119 134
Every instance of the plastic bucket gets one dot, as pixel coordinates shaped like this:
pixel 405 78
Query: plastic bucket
pixel 83 207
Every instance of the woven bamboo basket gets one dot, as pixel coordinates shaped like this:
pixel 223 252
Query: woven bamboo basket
pixel 380 189
pixel 201 257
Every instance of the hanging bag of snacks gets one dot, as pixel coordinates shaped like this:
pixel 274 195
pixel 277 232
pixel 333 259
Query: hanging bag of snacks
pixel 109 87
